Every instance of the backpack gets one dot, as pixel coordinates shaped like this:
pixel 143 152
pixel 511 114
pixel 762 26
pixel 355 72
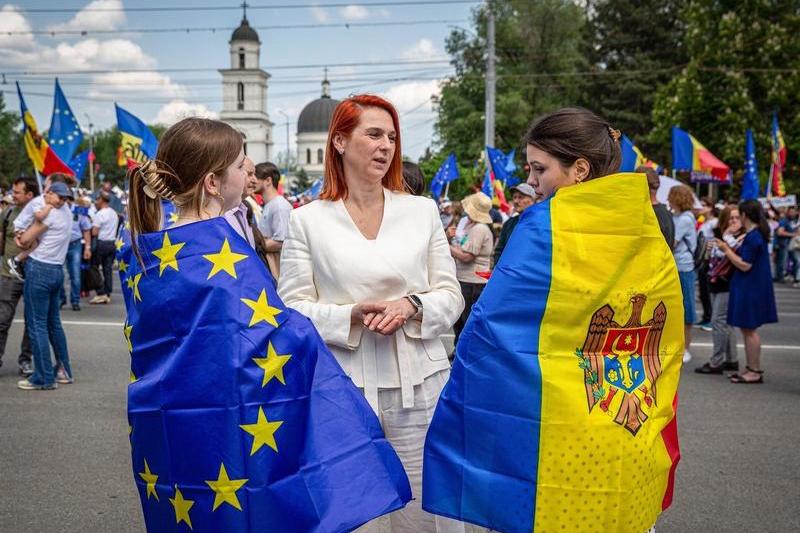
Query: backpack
pixel 700 250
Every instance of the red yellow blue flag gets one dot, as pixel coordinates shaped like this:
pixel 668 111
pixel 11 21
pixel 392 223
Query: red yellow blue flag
pixel 633 158
pixel 138 144
pixel 689 155
pixel 559 414
pixel 44 159
pixel 778 160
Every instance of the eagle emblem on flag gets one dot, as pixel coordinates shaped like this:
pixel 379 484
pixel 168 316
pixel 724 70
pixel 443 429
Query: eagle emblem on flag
pixel 621 363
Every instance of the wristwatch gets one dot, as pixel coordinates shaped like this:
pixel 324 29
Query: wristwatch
pixel 415 301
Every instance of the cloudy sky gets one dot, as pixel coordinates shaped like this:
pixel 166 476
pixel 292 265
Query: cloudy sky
pixel 109 51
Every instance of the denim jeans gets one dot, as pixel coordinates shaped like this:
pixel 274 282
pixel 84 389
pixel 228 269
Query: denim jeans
pixel 74 256
pixel 43 282
pixel 781 254
pixel 10 293
pixel 104 257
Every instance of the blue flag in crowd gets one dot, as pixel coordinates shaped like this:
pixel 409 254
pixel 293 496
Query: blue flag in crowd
pixel 79 163
pixel 750 180
pixel 241 419
pixel 314 190
pixel 447 172
pixel 65 133
pixel 498 161
pixel 487 187
pixel 138 142
pixel 511 165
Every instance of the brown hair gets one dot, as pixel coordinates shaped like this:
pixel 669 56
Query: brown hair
pixel 653 181
pixel 681 198
pixel 573 133
pixel 345 118
pixel 414 178
pixel 725 218
pixel 187 152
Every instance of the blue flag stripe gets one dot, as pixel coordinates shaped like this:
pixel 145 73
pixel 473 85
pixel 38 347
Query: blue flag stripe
pixel 503 448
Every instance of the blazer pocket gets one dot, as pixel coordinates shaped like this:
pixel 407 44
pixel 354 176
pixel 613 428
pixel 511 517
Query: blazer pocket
pixel 435 349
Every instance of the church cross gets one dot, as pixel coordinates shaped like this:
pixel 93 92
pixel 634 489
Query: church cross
pixel 244 10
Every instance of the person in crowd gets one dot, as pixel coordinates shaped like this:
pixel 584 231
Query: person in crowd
pixel 709 214
pixel 44 273
pixel 787 253
pixel 663 215
pixel 773 221
pixel 752 297
pixel 521 198
pixel 681 200
pixel 413 178
pixel 11 289
pixel 446 213
pixel 369 264
pixel 80 249
pixel 723 355
pixel 104 229
pixel 472 254
pixel 274 221
pixel 254 187
pixel 113 201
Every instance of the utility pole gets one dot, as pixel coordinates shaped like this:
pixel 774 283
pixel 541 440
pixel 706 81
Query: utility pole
pixel 491 77
pixel 288 154
pixel 91 153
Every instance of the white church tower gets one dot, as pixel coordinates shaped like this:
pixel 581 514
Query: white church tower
pixel 244 93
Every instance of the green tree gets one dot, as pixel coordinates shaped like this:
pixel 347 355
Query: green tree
pixel 744 63
pixel 13 159
pixel 633 47
pixel 538 44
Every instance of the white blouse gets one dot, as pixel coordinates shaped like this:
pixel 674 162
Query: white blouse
pixel 327 266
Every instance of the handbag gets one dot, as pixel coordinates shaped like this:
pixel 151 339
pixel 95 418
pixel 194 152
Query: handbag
pixel 794 244
pixel 92 278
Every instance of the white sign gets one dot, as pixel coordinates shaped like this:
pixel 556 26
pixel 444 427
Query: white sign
pixel 779 201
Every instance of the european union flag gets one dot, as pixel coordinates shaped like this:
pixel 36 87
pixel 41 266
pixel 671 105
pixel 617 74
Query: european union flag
pixel 240 418
pixel 65 133
pixel 78 164
pixel 498 162
pixel 487 187
pixel 447 172
pixel 750 181
pixel 314 190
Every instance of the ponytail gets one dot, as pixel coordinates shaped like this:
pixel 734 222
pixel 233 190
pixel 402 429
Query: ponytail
pixel 149 184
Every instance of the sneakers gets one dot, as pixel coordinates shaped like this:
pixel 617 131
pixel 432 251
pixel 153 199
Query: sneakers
pixel 687 356
pixel 25 369
pixel 24 384
pixel 705 326
pixel 76 307
pixel 62 377
pixel 15 268
pixel 101 299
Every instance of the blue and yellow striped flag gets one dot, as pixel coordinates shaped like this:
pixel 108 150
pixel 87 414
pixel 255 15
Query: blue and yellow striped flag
pixel 559 414
pixel 240 418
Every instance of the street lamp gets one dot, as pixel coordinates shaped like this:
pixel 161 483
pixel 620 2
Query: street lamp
pixel 91 153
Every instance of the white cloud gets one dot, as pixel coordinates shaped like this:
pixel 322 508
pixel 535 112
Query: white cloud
pixel 11 20
pixel 177 110
pixel 354 12
pixel 412 95
pixel 320 15
pixel 122 83
pixel 422 49
pixel 89 18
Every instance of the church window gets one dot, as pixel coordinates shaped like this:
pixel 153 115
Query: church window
pixel 241 57
pixel 319 156
pixel 240 96
pixel 308 156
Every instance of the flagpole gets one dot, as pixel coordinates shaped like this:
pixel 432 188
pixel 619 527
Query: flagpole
pixel 39 181
pixel 91 154
pixel 447 190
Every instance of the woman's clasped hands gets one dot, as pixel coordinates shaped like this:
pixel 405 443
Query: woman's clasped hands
pixel 383 317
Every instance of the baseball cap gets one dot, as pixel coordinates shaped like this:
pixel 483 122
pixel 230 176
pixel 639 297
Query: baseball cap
pixel 524 188
pixel 62 190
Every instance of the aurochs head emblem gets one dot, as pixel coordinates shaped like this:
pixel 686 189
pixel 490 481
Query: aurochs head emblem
pixel 621 363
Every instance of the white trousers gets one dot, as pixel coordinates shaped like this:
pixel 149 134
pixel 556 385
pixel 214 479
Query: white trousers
pixel 405 429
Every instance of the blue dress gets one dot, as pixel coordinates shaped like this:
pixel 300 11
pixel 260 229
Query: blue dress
pixel 752 298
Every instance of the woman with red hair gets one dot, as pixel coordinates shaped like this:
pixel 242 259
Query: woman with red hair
pixel 370 265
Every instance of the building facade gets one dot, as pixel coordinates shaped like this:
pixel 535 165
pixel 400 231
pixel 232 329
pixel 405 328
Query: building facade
pixel 312 132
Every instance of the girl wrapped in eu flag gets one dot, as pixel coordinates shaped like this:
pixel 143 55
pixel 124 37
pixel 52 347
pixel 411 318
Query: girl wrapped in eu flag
pixel 240 418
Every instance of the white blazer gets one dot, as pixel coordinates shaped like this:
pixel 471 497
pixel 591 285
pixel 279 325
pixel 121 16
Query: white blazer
pixel 327 266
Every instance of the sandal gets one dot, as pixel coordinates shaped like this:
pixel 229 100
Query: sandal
pixel 736 378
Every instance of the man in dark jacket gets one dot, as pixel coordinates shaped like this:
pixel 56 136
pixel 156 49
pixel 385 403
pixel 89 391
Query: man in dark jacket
pixel 663 215
pixel 522 198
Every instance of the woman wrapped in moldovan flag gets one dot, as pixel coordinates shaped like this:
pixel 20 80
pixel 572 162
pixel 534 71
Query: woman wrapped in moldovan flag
pixel 559 414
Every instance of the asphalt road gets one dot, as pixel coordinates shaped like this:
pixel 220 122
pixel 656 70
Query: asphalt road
pixel 65 463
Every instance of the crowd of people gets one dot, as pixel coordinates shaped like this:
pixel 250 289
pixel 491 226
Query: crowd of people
pixel 418 269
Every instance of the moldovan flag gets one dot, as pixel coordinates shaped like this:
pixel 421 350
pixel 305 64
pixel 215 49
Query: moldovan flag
pixel 559 414
pixel 241 420
pixel 778 160
pixel 44 159
pixel 689 154
pixel 138 142
pixel 633 158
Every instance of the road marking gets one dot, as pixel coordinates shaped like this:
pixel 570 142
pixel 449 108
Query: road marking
pixel 82 323
pixel 763 346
